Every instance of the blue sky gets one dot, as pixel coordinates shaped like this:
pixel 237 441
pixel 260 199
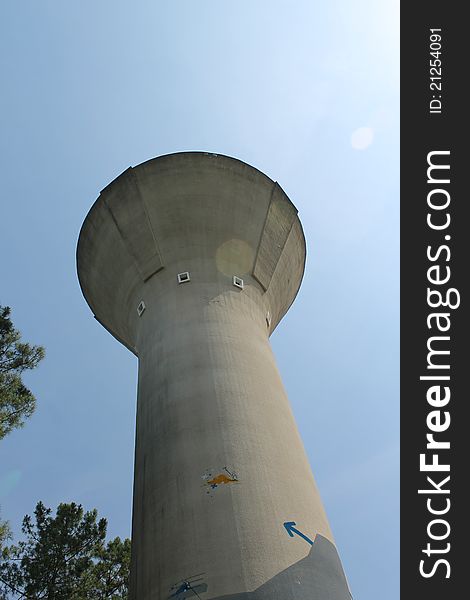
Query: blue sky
pixel 308 93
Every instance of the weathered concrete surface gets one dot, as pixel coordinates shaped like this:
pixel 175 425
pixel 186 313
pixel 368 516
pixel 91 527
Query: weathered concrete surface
pixel 219 464
pixel 319 575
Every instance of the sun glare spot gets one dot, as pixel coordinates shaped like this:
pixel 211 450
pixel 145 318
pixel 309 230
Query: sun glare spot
pixel 362 138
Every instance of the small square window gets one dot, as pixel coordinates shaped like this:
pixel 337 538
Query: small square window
pixel 183 277
pixel 238 282
pixel 141 308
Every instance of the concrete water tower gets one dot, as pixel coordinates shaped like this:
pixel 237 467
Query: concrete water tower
pixel 191 260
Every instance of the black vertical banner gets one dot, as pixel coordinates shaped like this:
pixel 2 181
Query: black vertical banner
pixel 435 257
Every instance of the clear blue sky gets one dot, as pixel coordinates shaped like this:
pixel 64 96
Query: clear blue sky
pixel 308 93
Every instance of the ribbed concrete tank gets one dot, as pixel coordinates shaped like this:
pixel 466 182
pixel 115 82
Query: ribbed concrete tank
pixel 191 260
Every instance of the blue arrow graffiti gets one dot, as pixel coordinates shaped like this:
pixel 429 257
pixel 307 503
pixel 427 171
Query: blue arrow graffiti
pixel 290 528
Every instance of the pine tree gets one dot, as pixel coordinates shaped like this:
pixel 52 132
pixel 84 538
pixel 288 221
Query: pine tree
pixel 17 403
pixel 65 558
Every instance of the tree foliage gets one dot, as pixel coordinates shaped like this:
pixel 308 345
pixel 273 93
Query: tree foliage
pixel 5 533
pixel 65 558
pixel 16 401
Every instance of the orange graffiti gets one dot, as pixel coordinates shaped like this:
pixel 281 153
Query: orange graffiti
pixel 218 479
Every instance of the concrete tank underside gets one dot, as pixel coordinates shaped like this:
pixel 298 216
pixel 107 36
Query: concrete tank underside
pixel 220 470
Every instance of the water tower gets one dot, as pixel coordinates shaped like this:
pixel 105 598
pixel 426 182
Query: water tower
pixel 191 260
